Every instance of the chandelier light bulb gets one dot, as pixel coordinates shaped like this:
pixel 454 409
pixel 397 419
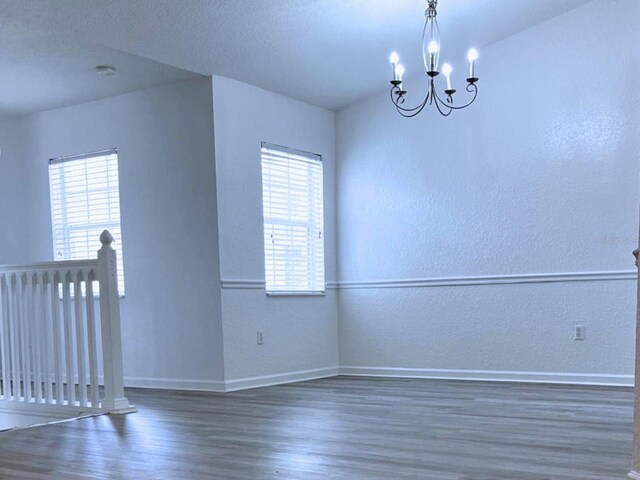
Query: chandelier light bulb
pixel 433 48
pixel 446 69
pixel 394 58
pixel 472 56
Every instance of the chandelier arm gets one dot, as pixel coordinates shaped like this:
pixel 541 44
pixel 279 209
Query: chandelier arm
pixel 439 103
pixel 400 109
pixel 471 88
pixel 411 115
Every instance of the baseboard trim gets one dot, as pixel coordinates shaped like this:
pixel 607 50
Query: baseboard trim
pixel 174 384
pixel 280 378
pixel 234 385
pixel 229 385
pixel 493 376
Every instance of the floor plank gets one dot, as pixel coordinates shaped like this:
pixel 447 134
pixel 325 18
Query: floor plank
pixel 342 428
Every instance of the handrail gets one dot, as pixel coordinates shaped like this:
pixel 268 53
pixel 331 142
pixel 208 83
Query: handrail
pixel 56 265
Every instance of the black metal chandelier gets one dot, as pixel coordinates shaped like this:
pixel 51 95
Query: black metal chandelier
pixel 431 58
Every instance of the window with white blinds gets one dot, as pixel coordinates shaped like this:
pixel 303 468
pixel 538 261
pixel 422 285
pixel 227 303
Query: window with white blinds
pixel 85 200
pixel 293 221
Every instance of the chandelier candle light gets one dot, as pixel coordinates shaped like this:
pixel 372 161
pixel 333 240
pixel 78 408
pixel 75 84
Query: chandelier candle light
pixel 431 57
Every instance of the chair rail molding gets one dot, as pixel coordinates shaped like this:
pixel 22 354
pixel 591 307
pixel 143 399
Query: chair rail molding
pixel 461 281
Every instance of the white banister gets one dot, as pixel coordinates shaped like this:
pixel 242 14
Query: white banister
pixel 52 338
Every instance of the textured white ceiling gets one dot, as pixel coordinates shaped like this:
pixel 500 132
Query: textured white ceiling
pixel 325 52
pixel 40 71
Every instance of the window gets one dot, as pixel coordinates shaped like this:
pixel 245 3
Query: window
pixel 293 221
pixel 85 200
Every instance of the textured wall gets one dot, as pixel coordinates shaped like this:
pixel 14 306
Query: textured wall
pixel 539 176
pixel 300 333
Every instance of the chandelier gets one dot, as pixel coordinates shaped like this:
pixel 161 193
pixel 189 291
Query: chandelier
pixel 431 57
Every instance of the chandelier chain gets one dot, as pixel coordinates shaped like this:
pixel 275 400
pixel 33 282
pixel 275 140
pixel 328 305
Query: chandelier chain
pixel 432 7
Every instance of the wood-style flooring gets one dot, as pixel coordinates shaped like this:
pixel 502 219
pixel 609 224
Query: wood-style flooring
pixel 342 428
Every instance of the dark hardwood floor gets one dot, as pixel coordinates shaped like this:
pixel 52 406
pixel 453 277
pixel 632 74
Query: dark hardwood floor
pixel 341 428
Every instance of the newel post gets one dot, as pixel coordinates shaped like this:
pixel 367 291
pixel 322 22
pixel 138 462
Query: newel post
pixel 114 399
pixel 635 473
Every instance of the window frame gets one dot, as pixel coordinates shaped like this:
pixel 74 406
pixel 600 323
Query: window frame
pixel 87 226
pixel 311 157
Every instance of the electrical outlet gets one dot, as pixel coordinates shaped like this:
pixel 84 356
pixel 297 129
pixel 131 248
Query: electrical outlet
pixel 260 338
pixel 579 332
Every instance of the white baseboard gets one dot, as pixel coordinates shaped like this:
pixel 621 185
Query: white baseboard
pixel 493 375
pixel 174 384
pixel 280 378
pixel 392 372
pixel 229 385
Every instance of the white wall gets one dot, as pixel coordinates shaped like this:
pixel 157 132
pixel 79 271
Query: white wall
pixel 300 333
pixel 16 239
pixel 171 316
pixel 180 328
pixel 536 183
pixel 539 176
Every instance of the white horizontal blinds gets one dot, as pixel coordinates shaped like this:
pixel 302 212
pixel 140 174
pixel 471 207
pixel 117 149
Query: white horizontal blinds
pixel 85 200
pixel 293 220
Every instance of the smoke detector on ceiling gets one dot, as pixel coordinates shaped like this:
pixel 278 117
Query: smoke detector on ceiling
pixel 106 70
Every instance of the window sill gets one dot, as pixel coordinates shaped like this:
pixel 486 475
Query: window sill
pixel 296 294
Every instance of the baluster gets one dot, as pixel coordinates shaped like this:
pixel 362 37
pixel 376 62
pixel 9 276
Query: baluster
pixel 14 337
pixel 80 338
pixel 3 337
pixel 68 337
pixel 57 332
pixel 37 333
pixel 22 344
pixel 26 333
pixel 47 337
pixel 92 340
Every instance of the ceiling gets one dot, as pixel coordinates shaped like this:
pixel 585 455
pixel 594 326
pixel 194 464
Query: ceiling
pixel 40 71
pixel 324 52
